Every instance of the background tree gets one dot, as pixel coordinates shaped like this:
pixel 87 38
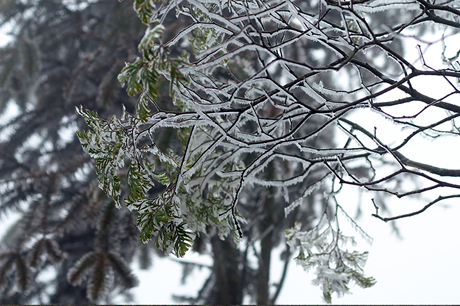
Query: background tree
pixel 253 76
pixel 62 55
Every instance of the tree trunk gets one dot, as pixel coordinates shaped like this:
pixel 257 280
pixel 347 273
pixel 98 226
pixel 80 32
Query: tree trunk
pixel 227 270
pixel 266 246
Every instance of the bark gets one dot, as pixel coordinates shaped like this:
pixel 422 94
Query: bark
pixel 227 270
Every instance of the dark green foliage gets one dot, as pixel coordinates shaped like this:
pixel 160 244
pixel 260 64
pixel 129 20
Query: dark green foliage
pixel 13 265
pixel 45 247
pixel 100 268
pixel 61 56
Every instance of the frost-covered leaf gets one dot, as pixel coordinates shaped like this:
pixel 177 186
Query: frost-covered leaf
pixel 325 249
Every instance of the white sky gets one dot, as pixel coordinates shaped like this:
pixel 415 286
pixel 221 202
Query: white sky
pixel 421 268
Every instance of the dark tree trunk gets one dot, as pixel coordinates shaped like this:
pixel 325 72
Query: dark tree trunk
pixel 227 271
pixel 266 246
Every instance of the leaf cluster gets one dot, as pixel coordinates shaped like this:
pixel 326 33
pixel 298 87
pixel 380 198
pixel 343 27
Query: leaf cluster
pixel 325 249
pixel 109 143
pixel 141 76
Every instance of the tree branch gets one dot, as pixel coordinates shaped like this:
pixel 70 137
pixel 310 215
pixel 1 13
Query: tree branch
pixel 440 198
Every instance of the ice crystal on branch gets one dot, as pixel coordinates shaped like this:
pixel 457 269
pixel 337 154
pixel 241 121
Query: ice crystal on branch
pixel 326 249
pixel 258 93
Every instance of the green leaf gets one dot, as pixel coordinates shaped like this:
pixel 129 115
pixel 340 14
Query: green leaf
pixel 144 9
pixel 161 177
pixel 134 87
pixel 142 108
